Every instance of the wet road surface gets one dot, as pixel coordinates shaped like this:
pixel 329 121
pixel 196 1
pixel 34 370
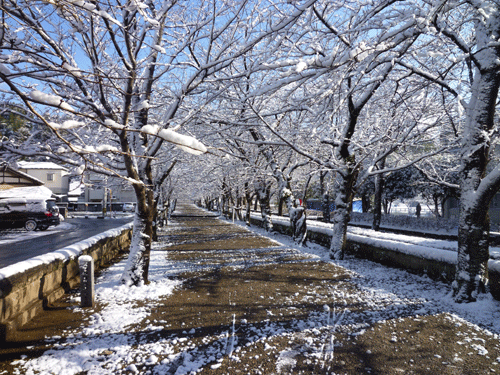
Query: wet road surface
pixel 19 245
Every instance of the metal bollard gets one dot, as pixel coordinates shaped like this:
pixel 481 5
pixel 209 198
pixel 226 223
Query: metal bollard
pixel 86 265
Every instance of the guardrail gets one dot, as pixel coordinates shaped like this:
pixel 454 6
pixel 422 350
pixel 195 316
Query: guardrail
pixel 27 287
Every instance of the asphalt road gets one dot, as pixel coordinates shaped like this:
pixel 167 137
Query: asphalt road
pixel 19 245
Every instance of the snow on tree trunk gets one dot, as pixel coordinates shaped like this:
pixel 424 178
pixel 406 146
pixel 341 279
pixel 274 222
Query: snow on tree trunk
pixel 298 224
pixel 436 206
pixel 477 190
pixel 248 201
pixel 136 269
pixel 325 201
pixel 325 206
pixel 248 211
pixel 342 213
pixel 473 254
pixel 377 204
pixel 340 221
pixel 297 214
pixel 173 205
pixel 280 206
pixel 263 191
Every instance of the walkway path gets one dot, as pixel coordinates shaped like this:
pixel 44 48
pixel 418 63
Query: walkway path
pixel 246 304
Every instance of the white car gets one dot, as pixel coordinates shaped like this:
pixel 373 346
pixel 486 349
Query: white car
pixel 128 207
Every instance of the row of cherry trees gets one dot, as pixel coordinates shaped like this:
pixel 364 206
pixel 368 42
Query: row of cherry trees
pixel 116 82
pixel 270 92
pixel 364 91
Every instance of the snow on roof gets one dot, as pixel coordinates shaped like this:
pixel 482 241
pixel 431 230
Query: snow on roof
pixel 39 165
pixel 75 188
pixel 32 192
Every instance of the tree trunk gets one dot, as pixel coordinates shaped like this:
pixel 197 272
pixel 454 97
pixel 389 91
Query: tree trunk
pixel 165 213
pixel 377 204
pixel 436 206
pixel 365 203
pixel 239 203
pixel 263 191
pixel 476 192
pixel 325 198
pixel 247 214
pixel 473 254
pixel 306 187
pixel 154 225
pixel 248 198
pixel 296 214
pixel 298 224
pixel 349 176
pixel 342 214
pixel 137 267
pixel 280 206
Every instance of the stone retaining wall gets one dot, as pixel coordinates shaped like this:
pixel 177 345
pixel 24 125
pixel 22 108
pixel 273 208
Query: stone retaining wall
pixel 443 270
pixel 26 288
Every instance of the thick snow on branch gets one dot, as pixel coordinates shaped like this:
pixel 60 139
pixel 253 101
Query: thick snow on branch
pixel 113 124
pixel 83 4
pixel 74 71
pixel 184 142
pixel 50 100
pixel 105 148
pixel 142 105
pixel 95 149
pixel 69 124
pixel 4 69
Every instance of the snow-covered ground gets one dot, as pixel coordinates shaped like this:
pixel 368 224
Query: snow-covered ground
pixel 388 291
pixel 396 282
pixel 110 328
pixel 429 248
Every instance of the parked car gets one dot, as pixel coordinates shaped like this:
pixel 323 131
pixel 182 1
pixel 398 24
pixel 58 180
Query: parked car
pixel 128 207
pixel 32 214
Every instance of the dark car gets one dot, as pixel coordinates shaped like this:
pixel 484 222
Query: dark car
pixel 28 213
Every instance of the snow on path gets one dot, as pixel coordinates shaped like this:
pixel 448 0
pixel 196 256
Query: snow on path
pixel 108 343
pixel 428 248
pixel 396 283
pixel 109 331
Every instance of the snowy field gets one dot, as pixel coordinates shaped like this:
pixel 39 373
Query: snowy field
pixel 112 331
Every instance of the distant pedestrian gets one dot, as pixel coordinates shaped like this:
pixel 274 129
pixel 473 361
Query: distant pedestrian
pixel 418 209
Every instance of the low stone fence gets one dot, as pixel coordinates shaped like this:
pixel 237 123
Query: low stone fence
pixel 438 264
pixel 28 287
